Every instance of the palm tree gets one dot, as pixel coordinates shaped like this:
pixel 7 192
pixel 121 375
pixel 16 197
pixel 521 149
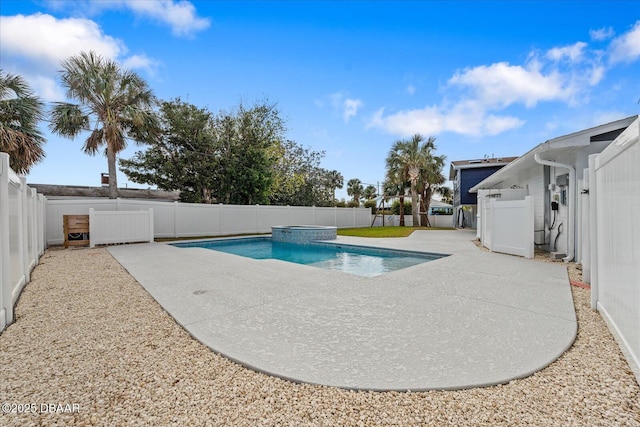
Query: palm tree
pixel 395 187
pixel 113 105
pixel 20 112
pixel 369 192
pixel 334 180
pixel 354 189
pixel 406 161
pixel 431 178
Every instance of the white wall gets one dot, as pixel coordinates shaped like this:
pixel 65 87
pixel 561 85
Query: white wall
pixel 174 219
pixel 614 191
pixel 21 236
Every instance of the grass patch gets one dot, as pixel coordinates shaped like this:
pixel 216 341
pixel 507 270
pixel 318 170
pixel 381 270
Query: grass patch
pixel 385 231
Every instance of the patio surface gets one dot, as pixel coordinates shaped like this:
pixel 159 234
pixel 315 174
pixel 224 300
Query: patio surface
pixel 471 319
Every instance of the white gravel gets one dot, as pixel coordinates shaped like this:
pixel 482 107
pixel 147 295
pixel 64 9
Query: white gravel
pixel 87 335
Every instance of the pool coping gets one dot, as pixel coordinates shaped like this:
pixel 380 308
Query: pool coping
pixel 498 318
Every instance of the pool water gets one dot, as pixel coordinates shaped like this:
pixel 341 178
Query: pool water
pixel 358 260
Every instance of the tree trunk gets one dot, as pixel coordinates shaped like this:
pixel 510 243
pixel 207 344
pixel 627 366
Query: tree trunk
pixel 113 179
pixel 424 219
pixel 414 204
pixel 427 201
pixel 401 211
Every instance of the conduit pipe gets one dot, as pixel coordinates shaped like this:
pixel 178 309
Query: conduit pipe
pixel 570 204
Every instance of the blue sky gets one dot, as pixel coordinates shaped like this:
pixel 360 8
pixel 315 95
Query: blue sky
pixel 350 77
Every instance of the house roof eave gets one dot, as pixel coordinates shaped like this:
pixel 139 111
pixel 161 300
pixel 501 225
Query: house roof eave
pixel 573 140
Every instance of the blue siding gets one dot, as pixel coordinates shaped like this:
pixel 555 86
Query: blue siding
pixel 471 177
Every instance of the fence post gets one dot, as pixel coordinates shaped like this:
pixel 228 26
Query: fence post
pixel 92 243
pixel 24 229
pixel 151 229
pixel 175 219
pixel 257 215
pixel 6 303
pixel 593 228
pixel 529 216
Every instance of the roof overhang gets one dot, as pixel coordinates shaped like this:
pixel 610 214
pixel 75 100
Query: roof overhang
pixel 591 141
pixel 479 163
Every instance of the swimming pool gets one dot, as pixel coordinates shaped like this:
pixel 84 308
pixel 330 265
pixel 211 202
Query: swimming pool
pixel 359 260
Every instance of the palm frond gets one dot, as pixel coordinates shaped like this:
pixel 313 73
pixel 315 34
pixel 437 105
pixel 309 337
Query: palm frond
pixel 93 143
pixel 68 120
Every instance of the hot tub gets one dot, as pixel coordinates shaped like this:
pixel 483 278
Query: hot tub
pixel 302 233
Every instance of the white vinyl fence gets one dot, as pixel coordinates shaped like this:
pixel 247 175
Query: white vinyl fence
pixel 109 227
pixel 174 219
pixel 614 212
pixel 508 226
pixel 21 236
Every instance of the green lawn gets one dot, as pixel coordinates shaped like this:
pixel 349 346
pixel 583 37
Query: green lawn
pixel 385 231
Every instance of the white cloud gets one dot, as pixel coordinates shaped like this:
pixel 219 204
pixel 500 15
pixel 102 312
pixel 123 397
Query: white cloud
pixel 348 107
pixel 626 48
pixel 502 84
pixel 25 36
pixel 141 62
pixel 602 34
pixel 476 98
pixel 25 53
pixel 574 52
pixel 181 16
pixel 465 119
pixel 351 107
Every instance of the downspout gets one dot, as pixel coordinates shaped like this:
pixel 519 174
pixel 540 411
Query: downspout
pixel 571 203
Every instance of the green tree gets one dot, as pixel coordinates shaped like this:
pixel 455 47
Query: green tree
pixel 395 186
pixel 184 158
pixel 431 178
pixel 246 138
pixel 230 157
pixel 335 180
pixel 369 192
pixel 113 105
pixel 298 178
pixel 20 112
pixel 406 161
pixel 355 189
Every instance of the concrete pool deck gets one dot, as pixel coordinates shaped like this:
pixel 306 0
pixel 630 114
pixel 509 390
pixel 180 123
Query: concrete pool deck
pixel 470 319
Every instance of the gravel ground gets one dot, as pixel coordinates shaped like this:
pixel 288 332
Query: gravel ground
pixel 87 335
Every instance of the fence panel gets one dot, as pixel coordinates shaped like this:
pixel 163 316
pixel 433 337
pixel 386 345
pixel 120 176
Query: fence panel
pixel 508 226
pixel 21 245
pixel 191 219
pixel 108 227
pixel 56 209
pixel 615 234
pixel 272 215
pixel 326 216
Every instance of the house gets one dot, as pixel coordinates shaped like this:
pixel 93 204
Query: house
pixel 465 174
pixel 552 172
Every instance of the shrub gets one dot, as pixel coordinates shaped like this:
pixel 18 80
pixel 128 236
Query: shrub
pixel 371 204
pixel 395 208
